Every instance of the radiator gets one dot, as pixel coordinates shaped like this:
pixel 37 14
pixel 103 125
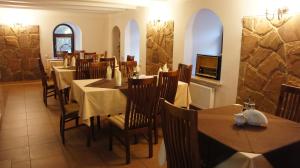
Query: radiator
pixel 202 96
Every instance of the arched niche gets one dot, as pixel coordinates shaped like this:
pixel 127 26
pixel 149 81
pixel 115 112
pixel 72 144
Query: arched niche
pixel 132 40
pixel 116 34
pixel 204 35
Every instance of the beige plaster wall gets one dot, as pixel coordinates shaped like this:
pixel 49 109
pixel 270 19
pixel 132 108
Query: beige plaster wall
pixel 230 12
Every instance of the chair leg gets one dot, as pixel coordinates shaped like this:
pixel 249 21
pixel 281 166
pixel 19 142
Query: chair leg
pixel 155 133
pixel 98 123
pixel 45 96
pixel 150 142
pixel 93 127
pixel 88 132
pixel 110 141
pixel 127 146
pixel 77 122
pixel 63 131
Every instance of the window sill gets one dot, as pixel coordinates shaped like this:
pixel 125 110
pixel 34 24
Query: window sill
pixel 206 82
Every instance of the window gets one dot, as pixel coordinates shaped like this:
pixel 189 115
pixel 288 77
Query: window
pixel 63 39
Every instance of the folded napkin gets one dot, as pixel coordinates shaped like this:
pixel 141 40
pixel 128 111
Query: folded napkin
pixel 118 77
pixel 108 72
pixel 65 62
pixel 73 61
pixel 251 117
pixel 165 68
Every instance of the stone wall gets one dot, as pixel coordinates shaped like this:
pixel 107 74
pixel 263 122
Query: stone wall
pixel 19 48
pixel 160 36
pixel 270 56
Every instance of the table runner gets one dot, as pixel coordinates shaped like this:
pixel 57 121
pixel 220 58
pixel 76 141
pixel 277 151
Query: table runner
pixel 218 132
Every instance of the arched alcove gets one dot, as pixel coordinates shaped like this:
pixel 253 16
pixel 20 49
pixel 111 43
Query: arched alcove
pixel 132 40
pixel 204 35
pixel 116 34
pixel 77 35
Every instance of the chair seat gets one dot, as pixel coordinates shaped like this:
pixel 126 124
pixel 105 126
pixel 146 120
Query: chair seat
pixel 71 109
pixel 118 120
pixel 50 84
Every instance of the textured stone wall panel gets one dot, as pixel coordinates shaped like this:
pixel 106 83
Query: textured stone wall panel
pixel 270 56
pixel 160 36
pixel 19 50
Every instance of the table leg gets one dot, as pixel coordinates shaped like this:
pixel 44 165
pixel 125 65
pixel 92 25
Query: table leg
pixel 93 127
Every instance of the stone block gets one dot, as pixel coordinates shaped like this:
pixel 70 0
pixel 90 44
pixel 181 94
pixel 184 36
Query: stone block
pixel 272 88
pixel 250 42
pixel 11 41
pixel 290 32
pixel 248 23
pixel 271 64
pixel 259 55
pixel 262 26
pixel 271 41
pixel 33 29
pixel 34 40
pixel 24 41
pixel 254 80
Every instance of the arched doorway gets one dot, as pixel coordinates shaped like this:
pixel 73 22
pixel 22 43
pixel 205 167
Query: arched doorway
pixel 116 44
pixel 132 40
pixel 204 35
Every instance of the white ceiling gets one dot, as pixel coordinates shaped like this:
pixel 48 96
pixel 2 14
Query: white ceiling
pixel 98 6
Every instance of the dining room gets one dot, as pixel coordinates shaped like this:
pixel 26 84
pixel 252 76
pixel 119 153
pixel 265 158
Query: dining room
pixel 149 84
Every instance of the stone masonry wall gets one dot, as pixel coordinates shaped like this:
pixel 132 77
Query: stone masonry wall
pixel 19 48
pixel 160 36
pixel 270 56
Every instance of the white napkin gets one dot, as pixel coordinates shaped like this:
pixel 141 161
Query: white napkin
pixel 65 62
pixel 251 117
pixel 108 72
pixel 73 61
pixel 165 68
pixel 118 77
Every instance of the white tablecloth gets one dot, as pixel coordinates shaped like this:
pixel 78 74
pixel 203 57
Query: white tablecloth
pixel 52 62
pixel 95 101
pixel 64 77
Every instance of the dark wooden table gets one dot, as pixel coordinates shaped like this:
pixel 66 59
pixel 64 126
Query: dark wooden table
pixel 220 138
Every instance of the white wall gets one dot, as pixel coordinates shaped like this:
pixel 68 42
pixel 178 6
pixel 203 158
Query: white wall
pixel 230 12
pixel 93 26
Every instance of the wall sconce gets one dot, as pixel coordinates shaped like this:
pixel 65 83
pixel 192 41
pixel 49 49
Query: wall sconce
pixel 280 14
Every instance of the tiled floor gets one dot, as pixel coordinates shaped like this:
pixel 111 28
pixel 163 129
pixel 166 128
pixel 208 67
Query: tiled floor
pixel 29 136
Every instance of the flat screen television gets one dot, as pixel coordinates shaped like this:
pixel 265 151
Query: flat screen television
pixel 208 66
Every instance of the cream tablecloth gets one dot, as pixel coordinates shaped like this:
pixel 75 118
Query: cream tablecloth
pixel 95 101
pixel 64 77
pixel 52 62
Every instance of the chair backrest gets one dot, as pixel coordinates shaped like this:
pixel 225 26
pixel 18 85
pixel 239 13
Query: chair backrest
pixel 180 134
pixel 111 63
pixel 59 93
pixel 168 82
pixel 130 58
pixel 83 68
pixel 130 65
pixel 42 72
pixel 185 73
pixel 98 70
pixel 140 100
pixel 289 103
pixel 91 55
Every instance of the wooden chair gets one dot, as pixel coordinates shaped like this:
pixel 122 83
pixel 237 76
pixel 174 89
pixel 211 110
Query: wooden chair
pixel 130 58
pixel 98 70
pixel 48 86
pixel 111 63
pixel 130 65
pixel 180 134
pixel 69 112
pixel 185 73
pixel 289 103
pixel 83 68
pixel 138 118
pixel 167 83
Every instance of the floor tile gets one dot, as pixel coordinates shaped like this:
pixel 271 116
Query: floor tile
pixel 17 154
pixel 45 150
pixel 21 164
pixel 50 162
pixel 5 164
pixel 12 143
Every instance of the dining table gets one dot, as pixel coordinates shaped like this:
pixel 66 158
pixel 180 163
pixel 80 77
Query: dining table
pixel 101 97
pixel 51 62
pixel 223 144
pixel 64 76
